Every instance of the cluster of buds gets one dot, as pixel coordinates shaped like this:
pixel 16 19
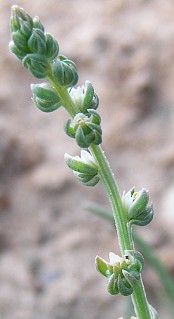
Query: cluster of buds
pixel 85 126
pixel 38 50
pixel 122 273
pixel 136 205
pixel 39 53
pixel 84 168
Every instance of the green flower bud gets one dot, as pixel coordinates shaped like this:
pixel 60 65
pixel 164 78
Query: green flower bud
pixel 135 204
pixel 85 129
pixel 35 48
pixel 52 47
pixel 36 42
pixel 45 97
pixel 144 218
pixel 20 42
pixel 19 53
pixel 37 24
pixel 139 203
pixel 122 273
pixel 37 64
pixel 84 97
pixel 20 20
pixel 65 71
pixel 84 168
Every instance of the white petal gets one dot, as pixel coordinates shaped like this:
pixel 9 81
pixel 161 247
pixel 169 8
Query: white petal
pixel 113 258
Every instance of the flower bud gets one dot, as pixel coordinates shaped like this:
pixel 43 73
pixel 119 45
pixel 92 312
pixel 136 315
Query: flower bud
pixel 45 97
pixel 85 129
pixel 36 42
pixel 52 47
pixel 122 273
pixel 35 48
pixel 37 64
pixel 84 97
pixel 144 218
pixel 139 202
pixel 20 42
pixel 37 24
pixel 135 204
pixel 65 71
pixel 19 53
pixel 20 19
pixel 84 168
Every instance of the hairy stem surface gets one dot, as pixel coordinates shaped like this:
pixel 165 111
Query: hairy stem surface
pixel 139 298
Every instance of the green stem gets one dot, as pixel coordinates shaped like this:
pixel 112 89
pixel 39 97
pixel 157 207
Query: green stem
pixel 138 297
pixel 64 95
pixel 114 197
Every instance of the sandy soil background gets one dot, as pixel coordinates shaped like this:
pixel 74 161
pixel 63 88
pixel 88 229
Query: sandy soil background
pixel 48 242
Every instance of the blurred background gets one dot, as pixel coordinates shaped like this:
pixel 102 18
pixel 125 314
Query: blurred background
pixel 48 242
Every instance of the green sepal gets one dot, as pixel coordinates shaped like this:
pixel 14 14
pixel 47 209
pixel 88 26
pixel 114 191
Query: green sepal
pixel 37 64
pixel 19 54
pixel 45 91
pixel 88 96
pixel 94 127
pixel 45 97
pixel 20 42
pixel 131 277
pixel 138 204
pixel 125 290
pixel 92 182
pixel 65 71
pixel 82 140
pixel 101 265
pixel 95 102
pixel 145 218
pixel 112 285
pixel 37 42
pixel 68 129
pixel 95 117
pixel 52 47
pixel 87 180
pixel 26 29
pixel 37 24
pixel 77 165
pixel 116 269
pixel 136 259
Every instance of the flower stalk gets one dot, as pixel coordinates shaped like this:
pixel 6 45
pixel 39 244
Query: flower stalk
pixel 39 53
